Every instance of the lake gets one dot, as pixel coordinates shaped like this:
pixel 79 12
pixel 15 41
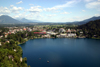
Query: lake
pixel 62 52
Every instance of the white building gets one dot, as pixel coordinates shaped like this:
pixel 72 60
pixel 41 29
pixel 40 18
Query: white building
pixel 47 36
pixel 51 33
pixel 62 35
pixel 21 59
pixel 71 35
pixel 61 30
pixel 68 30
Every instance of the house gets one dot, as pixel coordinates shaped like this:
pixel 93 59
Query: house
pixel 47 36
pixel 10 56
pixel 61 30
pixel 39 32
pixel 62 35
pixel 24 29
pixel 29 29
pixel 21 59
pixel 6 35
pixel 71 34
pixel 81 32
pixel 15 50
pixel 7 41
pixel 68 30
pixel 1 36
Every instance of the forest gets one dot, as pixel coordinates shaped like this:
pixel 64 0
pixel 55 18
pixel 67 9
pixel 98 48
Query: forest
pixel 91 29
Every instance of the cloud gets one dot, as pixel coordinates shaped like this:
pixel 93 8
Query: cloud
pixel 51 15
pixel 15 9
pixel 31 4
pixel 20 15
pixel 1 14
pixel 50 9
pixel 83 10
pixel 19 2
pixel 88 0
pixel 98 0
pixel 57 7
pixel 35 9
pixel 8 10
pixel 68 4
pixel 4 10
pixel 93 5
pixel 97 15
pixel 65 13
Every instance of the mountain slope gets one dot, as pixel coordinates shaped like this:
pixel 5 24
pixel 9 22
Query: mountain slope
pixel 91 28
pixel 90 19
pixel 26 20
pixel 84 21
pixel 4 19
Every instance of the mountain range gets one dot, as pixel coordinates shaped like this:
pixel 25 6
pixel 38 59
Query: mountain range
pixel 84 21
pixel 4 19
pixel 26 20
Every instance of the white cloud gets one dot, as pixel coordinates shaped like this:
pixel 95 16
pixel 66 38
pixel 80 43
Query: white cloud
pixel 19 2
pixel 1 14
pixel 8 10
pixel 50 9
pixel 83 10
pixel 98 0
pixel 97 15
pixel 67 4
pixel 20 15
pixel 65 13
pixel 88 0
pixel 4 10
pixel 51 15
pixel 11 5
pixel 30 16
pixel 35 9
pixel 31 4
pixel 34 16
pixel 15 9
pixel 93 5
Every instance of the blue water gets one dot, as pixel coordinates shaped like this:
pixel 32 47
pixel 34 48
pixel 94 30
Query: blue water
pixel 62 52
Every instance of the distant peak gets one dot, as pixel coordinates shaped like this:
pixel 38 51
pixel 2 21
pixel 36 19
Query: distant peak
pixel 4 15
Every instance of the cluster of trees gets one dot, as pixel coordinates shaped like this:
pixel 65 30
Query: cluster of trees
pixel 10 58
pixel 91 29
pixel 2 30
pixel 10 44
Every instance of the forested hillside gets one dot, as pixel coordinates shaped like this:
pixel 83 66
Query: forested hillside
pixel 91 29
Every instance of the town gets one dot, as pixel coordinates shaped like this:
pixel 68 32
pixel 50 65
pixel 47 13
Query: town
pixel 44 32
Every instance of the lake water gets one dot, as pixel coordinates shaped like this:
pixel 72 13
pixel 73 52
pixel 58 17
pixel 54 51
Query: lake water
pixel 62 52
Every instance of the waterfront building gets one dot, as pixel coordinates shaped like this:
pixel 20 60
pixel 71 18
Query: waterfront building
pixel 61 30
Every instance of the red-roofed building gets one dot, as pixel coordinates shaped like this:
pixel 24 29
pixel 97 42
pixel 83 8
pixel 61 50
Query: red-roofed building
pixel 39 32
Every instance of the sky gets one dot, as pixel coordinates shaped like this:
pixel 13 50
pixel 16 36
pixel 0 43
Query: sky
pixel 50 10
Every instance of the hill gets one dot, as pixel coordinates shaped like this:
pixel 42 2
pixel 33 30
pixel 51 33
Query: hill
pixel 91 29
pixel 26 20
pixel 90 19
pixel 4 19
pixel 84 21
